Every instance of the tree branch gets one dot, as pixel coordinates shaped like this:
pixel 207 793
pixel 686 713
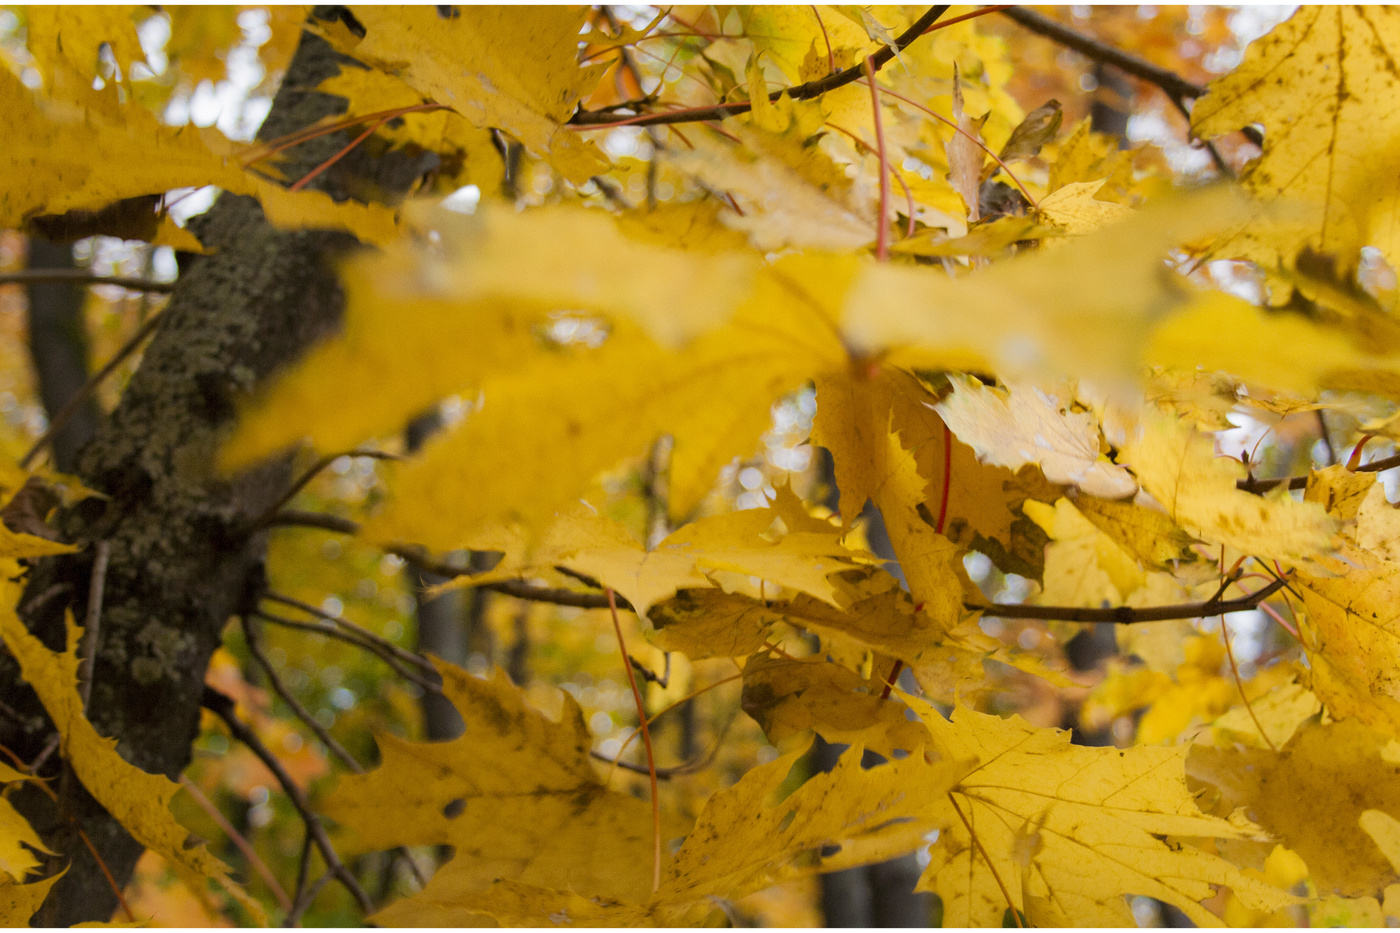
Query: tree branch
pixel 222 706
pixel 417 556
pixel 1128 615
pixel 254 641
pixel 1177 88
pixel 799 92
pixel 1301 482
pixel 269 517
pixel 239 842
pixel 330 631
pixel 67 411
pixel 83 277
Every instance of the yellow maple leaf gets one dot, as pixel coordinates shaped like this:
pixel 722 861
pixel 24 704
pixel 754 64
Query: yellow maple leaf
pixel 136 799
pixel 1147 534
pixel 499 67
pixel 787 697
pixel 1083 822
pixel 1352 636
pixel 743 842
pixel 1074 208
pixel 1311 794
pixel 85 153
pixel 1316 83
pixel 69 38
pixel 18 902
pixel 1083 566
pixel 517 795
pixel 16 834
pixel 1082 309
pixel 796 196
pixel 782 544
pixel 1219 332
pixel 1026 425
pixel 468 154
pixel 1178 466
pixel 789 34
pixel 1377 521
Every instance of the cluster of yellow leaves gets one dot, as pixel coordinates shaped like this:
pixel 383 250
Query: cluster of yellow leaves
pixel 577 335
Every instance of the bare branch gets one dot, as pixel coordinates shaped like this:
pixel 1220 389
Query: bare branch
pixel 254 641
pixel 269 517
pixel 1128 615
pixel 66 412
pixel 222 706
pixel 1301 482
pixel 402 654
pixel 1177 88
pixel 83 277
pixel 239 842
pixel 330 631
pixel 799 92
pixel 302 519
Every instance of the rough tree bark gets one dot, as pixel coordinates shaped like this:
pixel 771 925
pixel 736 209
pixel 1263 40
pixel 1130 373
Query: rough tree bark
pixel 182 561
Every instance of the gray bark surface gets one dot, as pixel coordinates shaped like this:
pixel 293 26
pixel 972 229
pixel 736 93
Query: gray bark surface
pixel 182 562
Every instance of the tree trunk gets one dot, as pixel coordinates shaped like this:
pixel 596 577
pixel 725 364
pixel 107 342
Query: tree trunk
pixel 182 561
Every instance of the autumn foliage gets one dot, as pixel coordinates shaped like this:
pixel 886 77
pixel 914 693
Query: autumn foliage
pixel 803 375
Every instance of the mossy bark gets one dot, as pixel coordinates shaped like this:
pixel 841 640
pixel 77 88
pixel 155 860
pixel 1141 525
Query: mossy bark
pixel 182 559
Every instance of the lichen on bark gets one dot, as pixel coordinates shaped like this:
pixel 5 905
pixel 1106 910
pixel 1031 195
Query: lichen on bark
pixel 182 559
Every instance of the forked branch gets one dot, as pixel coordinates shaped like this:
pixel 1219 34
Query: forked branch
pixel 222 706
pixel 806 91
pixel 1129 615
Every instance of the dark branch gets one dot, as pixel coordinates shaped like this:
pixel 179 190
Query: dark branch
pixel 1128 615
pixel 301 519
pixel 419 558
pixel 1177 88
pixel 222 706
pixel 1301 482
pixel 269 517
pixel 799 92
pixel 74 403
pixel 330 631
pixel 83 277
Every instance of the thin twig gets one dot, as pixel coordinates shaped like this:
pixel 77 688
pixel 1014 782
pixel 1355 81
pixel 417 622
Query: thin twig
pixel 330 631
pixel 651 757
pixel 254 640
pixel 83 277
pixel 402 654
pixel 588 120
pixel 66 412
pixel 222 706
pixel 268 516
pixel 1239 685
pixel 1128 615
pixel 92 621
pixel 882 231
pixel 239 842
pixel 299 903
pixel 308 896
